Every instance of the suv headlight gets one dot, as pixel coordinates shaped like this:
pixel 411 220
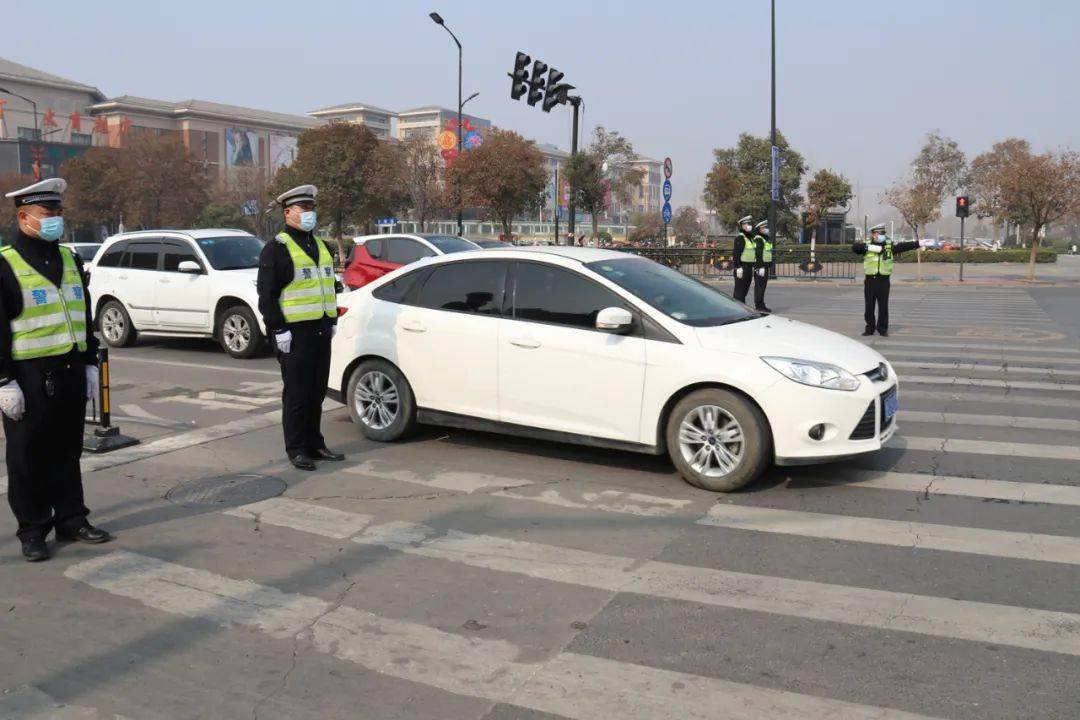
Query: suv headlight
pixel 812 373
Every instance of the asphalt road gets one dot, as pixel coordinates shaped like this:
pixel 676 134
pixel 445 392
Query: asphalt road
pixel 465 575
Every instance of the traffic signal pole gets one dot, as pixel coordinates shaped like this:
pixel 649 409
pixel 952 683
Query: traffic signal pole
pixel 772 134
pixel 576 102
pixel 961 248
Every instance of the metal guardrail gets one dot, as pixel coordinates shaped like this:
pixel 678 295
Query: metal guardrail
pixel 790 262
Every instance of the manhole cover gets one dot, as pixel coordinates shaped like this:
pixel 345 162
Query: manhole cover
pixel 226 490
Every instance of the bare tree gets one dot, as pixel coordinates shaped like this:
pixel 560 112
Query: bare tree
pixel 985 181
pixel 423 178
pixel 940 165
pixel 1043 189
pixel 918 203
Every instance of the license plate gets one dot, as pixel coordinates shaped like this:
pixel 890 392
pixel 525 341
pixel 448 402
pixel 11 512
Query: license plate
pixel 892 404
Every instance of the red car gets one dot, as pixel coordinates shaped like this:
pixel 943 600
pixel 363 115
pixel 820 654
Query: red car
pixel 372 256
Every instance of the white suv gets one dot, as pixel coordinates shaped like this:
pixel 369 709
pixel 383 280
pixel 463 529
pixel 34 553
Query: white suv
pixel 183 283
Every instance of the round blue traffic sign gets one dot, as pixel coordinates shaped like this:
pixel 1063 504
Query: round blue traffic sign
pixel 667 190
pixel 666 212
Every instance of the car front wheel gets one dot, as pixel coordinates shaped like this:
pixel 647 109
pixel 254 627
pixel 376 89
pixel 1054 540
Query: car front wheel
pixel 380 401
pixel 238 332
pixel 718 440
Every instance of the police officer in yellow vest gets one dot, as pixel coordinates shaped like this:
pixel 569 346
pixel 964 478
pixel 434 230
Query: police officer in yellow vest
pixel 744 255
pixel 763 261
pixel 878 255
pixel 48 370
pixel 298 302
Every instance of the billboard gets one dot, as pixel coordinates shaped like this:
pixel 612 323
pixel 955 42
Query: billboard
pixel 282 151
pixel 241 148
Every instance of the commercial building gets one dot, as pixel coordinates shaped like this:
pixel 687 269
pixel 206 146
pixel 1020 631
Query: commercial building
pixel 428 122
pixel 379 121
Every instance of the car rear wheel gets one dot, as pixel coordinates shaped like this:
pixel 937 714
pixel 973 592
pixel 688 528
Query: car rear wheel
pixel 718 440
pixel 115 323
pixel 239 333
pixel 380 401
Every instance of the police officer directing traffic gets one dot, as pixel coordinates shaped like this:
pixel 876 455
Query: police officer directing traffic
pixel 744 255
pixel 298 302
pixel 763 261
pixel 878 257
pixel 48 370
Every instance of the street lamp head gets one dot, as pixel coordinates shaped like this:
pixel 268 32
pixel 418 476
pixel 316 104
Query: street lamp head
pixel 436 17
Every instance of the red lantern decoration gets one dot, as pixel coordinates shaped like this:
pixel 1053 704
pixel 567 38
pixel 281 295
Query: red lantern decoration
pixel 76 121
pixel 50 118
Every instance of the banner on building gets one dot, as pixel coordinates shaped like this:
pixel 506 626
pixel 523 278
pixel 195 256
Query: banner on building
pixel 241 148
pixel 282 151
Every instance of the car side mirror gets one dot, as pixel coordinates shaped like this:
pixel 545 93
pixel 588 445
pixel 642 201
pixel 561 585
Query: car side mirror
pixel 614 320
pixel 189 266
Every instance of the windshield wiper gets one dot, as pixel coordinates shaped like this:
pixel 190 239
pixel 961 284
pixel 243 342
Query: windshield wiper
pixel 238 267
pixel 755 316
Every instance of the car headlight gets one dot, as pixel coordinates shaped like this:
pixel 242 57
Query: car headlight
pixel 812 373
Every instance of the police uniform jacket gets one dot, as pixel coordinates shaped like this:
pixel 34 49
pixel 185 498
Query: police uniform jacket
pixel 275 272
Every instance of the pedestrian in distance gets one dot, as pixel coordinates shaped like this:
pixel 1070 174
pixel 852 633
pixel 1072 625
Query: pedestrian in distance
pixel 744 257
pixel 298 302
pixel 763 263
pixel 48 370
pixel 878 255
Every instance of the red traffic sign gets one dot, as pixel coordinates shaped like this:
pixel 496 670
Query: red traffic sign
pixel 667 167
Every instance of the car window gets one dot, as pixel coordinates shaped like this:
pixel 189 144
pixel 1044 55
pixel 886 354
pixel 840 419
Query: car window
pixel 397 290
pixel 112 256
pixel 86 252
pixel 232 252
pixel 450 243
pixel 472 287
pixel 174 252
pixel 544 293
pixel 142 255
pixel 403 251
pixel 375 247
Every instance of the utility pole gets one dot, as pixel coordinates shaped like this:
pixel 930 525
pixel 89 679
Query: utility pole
pixel 772 137
pixel 558 192
pixel 576 102
pixel 438 20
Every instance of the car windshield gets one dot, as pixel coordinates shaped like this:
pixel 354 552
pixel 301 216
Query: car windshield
pixel 447 244
pixel 232 252
pixel 672 293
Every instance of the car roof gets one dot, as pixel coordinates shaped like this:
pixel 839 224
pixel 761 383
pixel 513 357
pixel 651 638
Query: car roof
pixel 195 234
pixel 559 256
pixel 581 254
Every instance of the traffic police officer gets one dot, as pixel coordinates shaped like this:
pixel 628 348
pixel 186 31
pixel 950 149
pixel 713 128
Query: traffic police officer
pixel 298 302
pixel 878 257
pixel 48 370
pixel 763 261
pixel 744 256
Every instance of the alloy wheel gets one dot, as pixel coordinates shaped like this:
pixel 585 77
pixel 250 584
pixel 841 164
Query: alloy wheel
pixel 377 400
pixel 237 333
pixel 711 441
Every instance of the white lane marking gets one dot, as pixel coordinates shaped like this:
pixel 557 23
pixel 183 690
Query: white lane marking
pixel 981 382
pixel 997 359
pixel 1025 423
pixel 973 396
pixel 467 482
pixel 616 501
pixel 951 485
pixel 984 367
pixel 575 686
pixel 30 703
pixel 216 400
pixel 135 413
pixel 986 447
pixel 1030 347
pixel 943 617
pixel 3 484
pixel 303 516
pixel 876 531
pixel 201 367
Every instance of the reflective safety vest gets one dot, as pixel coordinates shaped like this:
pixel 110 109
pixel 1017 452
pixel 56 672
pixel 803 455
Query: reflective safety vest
pixel 749 253
pixel 311 294
pixel 879 263
pixel 53 319
pixel 766 250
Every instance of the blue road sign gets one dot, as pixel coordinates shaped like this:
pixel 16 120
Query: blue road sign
pixel 666 213
pixel 386 221
pixel 667 191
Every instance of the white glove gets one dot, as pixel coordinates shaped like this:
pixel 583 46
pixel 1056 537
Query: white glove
pixel 739 272
pixel 12 401
pixel 92 382
pixel 926 243
pixel 333 331
pixel 873 247
pixel 284 341
pixel 760 272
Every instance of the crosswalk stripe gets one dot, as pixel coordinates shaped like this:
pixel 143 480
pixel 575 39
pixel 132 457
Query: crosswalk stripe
pixel 1031 347
pixel 306 517
pixel 915 535
pixel 1020 492
pixel 982 382
pixel 997 358
pixel 1035 629
pixel 1025 423
pixel 965 395
pixel 31 703
pixel 986 447
pixel 983 367
pixel 607 501
pixel 572 685
pixel 467 482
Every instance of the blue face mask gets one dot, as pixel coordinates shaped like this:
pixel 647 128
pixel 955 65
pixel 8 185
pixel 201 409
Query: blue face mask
pixel 52 228
pixel 307 220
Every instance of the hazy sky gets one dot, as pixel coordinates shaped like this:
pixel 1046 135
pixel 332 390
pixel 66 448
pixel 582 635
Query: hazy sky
pixel 859 82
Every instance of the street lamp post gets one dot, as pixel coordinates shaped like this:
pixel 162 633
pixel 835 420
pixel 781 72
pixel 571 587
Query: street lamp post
pixel 438 20
pixel 32 105
pixel 772 134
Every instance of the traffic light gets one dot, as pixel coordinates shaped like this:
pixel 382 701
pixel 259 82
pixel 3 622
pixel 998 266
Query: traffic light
pixel 536 82
pixel 556 90
pixel 963 205
pixel 519 79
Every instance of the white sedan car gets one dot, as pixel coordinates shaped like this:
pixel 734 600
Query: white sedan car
pixel 607 349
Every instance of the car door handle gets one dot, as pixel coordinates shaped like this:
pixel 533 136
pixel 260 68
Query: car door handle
pixel 414 327
pixel 527 343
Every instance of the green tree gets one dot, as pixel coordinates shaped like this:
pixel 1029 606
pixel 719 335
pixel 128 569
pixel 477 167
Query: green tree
pixel 918 203
pixel 940 165
pixel 504 177
pixel 985 182
pixel 223 215
pixel 605 171
pixel 740 182
pixel 687 225
pixel 648 227
pixel 825 190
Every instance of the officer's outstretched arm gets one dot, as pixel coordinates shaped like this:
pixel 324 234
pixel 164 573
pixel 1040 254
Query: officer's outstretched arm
pixel 859 248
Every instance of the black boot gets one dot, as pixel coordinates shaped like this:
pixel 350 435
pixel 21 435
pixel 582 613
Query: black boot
pixel 868 331
pixel 35 550
pixel 87 534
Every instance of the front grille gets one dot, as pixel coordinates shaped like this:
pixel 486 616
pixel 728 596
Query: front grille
pixel 879 374
pixel 867 426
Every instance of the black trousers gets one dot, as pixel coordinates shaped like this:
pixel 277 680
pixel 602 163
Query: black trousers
pixel 43 447
pixel 876 292
pixel 305 370
pixel 759 288
pixel 742 284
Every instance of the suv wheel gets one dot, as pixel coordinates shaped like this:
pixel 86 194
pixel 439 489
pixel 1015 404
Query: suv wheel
pixel 718 440
pixel 380 401
pixel 239 333
pixel 116 325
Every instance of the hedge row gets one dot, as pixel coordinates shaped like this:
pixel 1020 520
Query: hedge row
pixel 1018 255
